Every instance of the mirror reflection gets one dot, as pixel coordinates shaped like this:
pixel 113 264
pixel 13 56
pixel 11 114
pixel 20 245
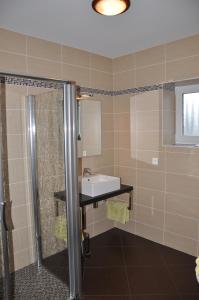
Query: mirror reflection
pixel 89 128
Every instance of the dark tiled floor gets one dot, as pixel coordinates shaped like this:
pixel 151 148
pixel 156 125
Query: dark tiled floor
pixel 122 267
pixel 128 267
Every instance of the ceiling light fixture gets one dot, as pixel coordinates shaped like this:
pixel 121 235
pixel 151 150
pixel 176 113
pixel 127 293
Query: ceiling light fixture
pixel 111 7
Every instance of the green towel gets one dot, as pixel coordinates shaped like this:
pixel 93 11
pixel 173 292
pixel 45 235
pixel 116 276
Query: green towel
pixel 117 211
pixel 60 229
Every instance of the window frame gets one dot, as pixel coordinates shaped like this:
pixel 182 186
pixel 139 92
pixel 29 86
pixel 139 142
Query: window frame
pixel 179 137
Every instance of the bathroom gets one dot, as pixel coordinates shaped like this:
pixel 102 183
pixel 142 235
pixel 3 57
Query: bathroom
pixel 121 97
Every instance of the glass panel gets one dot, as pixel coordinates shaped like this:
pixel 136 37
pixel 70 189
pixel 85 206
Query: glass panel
pixel 50 161
pixel 191 114
pixel 51 281
pixel 4 258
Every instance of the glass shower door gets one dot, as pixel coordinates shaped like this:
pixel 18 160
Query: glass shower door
pixel 53 169
pixel 44 253
pixel 4 257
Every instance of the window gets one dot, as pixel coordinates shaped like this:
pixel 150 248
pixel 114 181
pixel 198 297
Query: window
pixel 187 114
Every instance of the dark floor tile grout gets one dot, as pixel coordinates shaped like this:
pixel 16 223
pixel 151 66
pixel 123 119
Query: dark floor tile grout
pixel 169 273
pixel 124 261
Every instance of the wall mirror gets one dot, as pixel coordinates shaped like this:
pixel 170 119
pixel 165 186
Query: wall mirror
pixel 181 113
pixel 89 128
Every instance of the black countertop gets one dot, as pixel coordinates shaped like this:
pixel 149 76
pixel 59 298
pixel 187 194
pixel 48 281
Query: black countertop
pixel 86 200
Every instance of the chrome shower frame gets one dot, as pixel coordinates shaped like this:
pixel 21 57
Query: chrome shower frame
pixel 71 180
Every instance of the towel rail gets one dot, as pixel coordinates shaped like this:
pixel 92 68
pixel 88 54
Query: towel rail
pixel 130 200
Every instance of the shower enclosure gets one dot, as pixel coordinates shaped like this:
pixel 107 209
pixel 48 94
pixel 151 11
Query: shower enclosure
pixel 40 237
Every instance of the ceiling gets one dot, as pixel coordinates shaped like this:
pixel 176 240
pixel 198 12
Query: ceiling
pixel 73 22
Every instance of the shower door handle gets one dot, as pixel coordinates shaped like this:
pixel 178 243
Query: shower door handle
pixel 3 215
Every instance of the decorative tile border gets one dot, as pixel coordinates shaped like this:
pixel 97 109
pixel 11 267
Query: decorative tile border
pixel 168 86
pixel 23 81
pixel 17 80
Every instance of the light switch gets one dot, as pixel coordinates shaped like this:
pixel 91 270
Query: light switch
pixel 155 161
pixel 84 153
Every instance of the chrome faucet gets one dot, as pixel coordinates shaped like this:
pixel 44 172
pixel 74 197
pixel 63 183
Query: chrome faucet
pixel 87 172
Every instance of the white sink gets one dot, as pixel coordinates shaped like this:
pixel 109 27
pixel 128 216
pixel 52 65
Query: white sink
pixel 99 184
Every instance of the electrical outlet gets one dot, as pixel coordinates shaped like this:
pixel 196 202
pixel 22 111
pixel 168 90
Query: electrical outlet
pixel 155 161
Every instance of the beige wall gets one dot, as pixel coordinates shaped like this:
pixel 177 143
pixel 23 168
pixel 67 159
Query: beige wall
pixel 18 177
pixel 26 55
pixel 166 196
pixel 32 56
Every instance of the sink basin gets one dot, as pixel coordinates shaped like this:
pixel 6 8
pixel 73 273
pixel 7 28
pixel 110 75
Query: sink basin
pixel 99 184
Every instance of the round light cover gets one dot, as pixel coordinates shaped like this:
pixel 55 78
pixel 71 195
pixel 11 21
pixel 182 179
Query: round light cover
pixel 110 7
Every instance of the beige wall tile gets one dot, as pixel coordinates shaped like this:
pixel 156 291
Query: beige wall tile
pixel 124 139
pixel 150 56
pixel 75 56
pixel 129 227
pixel 124 63
pixel 107 122
pixel 107 170
pixel 17 170
pixel 12 41
pixel 18 193
pixel 182 205
pixel 128 175
pixel 15 121
pixel 19 217
pixel 122 104
pixel 150 75
pixel 101 63
pixel 148 120
pixel 75 73
pixel 186 68
pixel 124 80
pixel 148 101
pixel 16 146
pixel 106 104
pixel 150 216
pixel 43 49
pixel 150 179
pixel 182 163
pixel 181 225
pixel 101 80
pixel 182 185
pixel 182 48
pixel 122 121
pixel 108 139
pixel 20 239
pixel 44 68
pixel 182 149
pixel 15 97
pixel 151 233
pixel 125 158
pixel 22 259
pixel 149 140
pixel 13 63
pixel 150 198
pixel 144 160
pixel 181 243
